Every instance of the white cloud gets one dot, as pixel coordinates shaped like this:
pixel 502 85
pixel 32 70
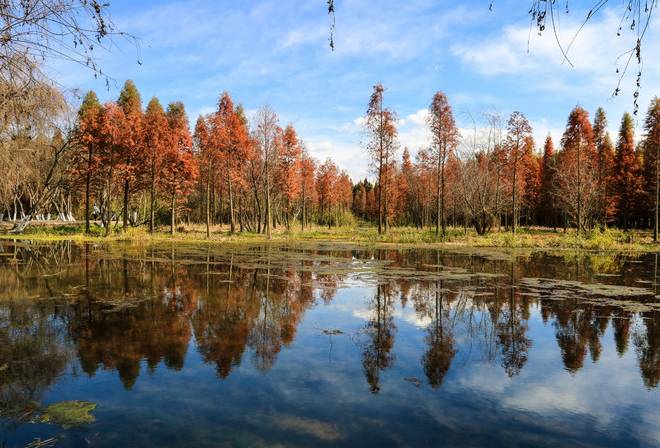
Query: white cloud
pixel 348 156
pixel 418 118
pixel 594 55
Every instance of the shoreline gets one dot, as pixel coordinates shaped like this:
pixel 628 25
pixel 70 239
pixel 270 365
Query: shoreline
pixel 611 240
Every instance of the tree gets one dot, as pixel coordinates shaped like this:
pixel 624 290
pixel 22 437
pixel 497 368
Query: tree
pixel 404 182
pixel 37 31
pixel 605 151
pixel 651 148
pixel 35 140
pixel 131 103
pixel 156 141
pixel 266 135
pixel 577 182
pixel 179 167
pixel 208 157
pixel 628 179
pixel 476 181
pixel 113 137
pixel 87 136
pixel 518 129
pixel 231 139
pixel 307 186
pixel 380 124
pixel 531 179
pixel 445 136
pixel 288 172
pixel 327 179
pixel 546 201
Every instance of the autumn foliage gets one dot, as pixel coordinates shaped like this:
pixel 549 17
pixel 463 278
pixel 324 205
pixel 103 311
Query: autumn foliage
pixel 252 174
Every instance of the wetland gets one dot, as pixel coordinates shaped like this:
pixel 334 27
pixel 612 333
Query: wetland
pixel 330 344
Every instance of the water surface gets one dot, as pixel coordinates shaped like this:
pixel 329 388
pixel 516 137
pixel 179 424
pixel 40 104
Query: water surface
pixel 328 345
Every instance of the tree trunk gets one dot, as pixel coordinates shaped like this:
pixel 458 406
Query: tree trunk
pixel 380 196
pixel 515 172
pixel 579 192
pixel 657 194
pixel 125 211
pixel 380 170
pixel 108 201
pixel 173 210
pixel 232 220
pixel 442 198
pixel 438 206
pixel 302 214
pixel 152 200
pixel 88 181
pixel 268 211
pixel 208 203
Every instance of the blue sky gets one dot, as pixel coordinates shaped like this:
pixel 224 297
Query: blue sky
pixel 276 52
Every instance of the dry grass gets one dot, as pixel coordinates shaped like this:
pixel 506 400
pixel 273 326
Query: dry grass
pixel 539 238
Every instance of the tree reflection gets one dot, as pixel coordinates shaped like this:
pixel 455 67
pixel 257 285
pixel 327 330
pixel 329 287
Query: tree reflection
pixel 222 323
pixel 440 343
pixel 512 332
pixel 33 354
pixel 131 310
pixel 380 329
pixel 648 349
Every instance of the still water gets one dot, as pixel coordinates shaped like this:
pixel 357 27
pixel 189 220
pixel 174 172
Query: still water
pixel 328 345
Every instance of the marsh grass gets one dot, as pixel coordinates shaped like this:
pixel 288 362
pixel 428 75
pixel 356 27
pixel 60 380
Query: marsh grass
pixel 360 233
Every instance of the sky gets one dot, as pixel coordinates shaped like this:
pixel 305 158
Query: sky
pixel 276 52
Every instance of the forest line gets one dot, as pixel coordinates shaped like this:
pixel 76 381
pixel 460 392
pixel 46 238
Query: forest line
pixel 120 164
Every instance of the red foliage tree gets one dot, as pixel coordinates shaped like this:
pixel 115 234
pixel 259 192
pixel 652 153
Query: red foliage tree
pixel 206 160
pixel 651 149
pixel 345 189
pixel 531 179
pixel 576 173
pixel 132 156
pixel 179 166
pixel 547 208
pixel 156 142
pixel 445 137
pixel 605 150
pixel 307 187
pixel 231 140
pixel 326 188
pixel 627 172
pixel 287 172
pixel 87 134
pixel 112 138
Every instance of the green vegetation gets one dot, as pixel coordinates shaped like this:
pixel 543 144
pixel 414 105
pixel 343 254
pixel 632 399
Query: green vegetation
pixel 69 413
pixel 532 238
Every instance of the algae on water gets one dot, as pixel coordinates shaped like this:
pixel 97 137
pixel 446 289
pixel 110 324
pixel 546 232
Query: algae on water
pixel 630 298
pixel 68 413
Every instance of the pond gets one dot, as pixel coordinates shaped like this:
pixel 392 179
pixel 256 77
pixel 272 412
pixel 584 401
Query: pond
pixel 326 345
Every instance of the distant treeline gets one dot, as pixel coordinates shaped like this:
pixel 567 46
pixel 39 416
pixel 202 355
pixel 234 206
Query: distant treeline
pixel 120 164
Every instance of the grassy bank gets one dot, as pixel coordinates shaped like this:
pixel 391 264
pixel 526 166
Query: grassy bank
pixel 540 238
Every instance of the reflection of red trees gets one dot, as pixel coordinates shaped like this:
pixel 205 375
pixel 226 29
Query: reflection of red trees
pixel 153 331
pixel 259 309
pixel 144 306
